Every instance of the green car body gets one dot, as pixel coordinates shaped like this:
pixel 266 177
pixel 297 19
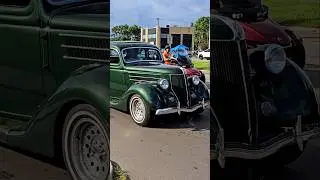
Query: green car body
pixel 142 78
pixel 52 59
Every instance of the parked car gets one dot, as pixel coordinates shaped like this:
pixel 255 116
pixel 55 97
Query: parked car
pixel 144 86
pixel 204 54
pixel 260 29
pixel 264 102
pixel 54 82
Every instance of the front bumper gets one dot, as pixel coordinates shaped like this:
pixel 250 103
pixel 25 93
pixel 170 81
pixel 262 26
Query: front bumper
pixel 203 104
pixel 221 150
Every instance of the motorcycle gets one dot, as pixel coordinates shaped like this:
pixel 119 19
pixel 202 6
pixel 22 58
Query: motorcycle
pixel 260 29
pixel 183 60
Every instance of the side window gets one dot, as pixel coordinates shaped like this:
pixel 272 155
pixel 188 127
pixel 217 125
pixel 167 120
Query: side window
pixel 114 57
pixel 142 54
pixel 14 2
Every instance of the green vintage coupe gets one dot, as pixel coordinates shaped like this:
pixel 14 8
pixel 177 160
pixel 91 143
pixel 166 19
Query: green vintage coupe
pixel 141 84
pixel 54 82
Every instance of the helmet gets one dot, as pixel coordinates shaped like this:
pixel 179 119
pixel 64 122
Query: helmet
pixel 167 47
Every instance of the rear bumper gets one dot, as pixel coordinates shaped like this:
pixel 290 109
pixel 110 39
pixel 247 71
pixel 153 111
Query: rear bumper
pixel 172 110
pixel 222 150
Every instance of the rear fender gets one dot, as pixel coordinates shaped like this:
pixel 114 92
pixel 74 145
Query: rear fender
pixel 89 87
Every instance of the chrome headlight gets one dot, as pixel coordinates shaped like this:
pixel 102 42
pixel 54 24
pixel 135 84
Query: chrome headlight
pixel 275 58
pixel 195 80
pixel 164 84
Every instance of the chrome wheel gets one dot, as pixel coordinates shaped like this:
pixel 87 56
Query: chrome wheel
pixel 137 109
pixel 86 147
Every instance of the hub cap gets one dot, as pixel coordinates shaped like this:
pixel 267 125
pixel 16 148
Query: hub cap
pixel 137 109
pixel 89 150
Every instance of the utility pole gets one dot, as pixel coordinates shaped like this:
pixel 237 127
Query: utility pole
pixel 158 23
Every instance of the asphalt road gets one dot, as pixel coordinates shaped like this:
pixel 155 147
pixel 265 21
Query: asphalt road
pixel 174 149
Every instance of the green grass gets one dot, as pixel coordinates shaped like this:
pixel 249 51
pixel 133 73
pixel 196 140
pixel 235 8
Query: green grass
pixel 295 12
pixel 118 173
pixel 202 64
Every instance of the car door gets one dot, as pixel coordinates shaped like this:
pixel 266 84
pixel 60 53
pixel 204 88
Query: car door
pixel 20 60
pixel 117 82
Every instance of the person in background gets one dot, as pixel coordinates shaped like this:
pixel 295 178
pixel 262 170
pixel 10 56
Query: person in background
pixel 167 57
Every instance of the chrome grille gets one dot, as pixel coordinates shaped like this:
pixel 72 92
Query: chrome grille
pixel 230 93
pixel 179 87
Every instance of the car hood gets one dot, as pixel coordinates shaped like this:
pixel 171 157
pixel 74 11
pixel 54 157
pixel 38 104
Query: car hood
pixel 192 72
pixel 272 32
pixel 89 17
pixel 154 68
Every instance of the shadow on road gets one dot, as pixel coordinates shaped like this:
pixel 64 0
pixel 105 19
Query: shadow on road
pixel 199 122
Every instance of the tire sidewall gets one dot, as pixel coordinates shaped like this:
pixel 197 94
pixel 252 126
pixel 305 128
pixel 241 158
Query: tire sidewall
pixel 67 127
pixel 147 115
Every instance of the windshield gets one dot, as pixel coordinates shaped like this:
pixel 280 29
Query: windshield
pixel 141 54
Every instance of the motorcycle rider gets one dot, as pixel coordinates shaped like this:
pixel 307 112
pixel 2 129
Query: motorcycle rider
pixel 167 57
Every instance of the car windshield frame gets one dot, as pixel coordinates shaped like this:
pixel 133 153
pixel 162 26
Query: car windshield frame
pixel 142 61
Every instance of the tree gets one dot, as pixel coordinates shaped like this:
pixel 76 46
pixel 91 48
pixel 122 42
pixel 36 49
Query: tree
pixel 126 32
pixel 201 32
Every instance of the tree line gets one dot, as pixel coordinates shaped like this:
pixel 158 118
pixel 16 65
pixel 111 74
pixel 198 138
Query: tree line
pixel 126 32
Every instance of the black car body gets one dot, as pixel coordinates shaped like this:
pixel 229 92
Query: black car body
pixel 262 102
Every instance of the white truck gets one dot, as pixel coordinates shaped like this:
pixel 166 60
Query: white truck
pixel 204 54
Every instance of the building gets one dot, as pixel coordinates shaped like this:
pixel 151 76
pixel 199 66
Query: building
pixel 173 36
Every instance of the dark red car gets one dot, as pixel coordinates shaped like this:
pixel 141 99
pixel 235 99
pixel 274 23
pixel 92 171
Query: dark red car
pixel 260 29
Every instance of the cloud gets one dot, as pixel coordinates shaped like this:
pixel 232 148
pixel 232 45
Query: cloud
pixel 145 12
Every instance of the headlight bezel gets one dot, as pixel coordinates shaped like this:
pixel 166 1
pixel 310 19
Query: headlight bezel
pixel 195 80
pixel 275 58
pixel 164 84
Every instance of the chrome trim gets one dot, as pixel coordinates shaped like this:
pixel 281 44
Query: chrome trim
pixel 83 36
pixel 272 148
pixel 84 59
pixel 238 32
pixel 83 47
pixel 185 80
pixel 246 92
pixel 178 109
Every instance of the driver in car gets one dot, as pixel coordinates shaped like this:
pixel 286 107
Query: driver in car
pixel 168 59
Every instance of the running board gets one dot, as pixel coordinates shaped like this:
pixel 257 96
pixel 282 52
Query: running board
pixel 10 126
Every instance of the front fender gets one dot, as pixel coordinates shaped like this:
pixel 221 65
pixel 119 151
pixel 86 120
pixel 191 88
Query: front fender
pixel 147 91
pixel 307 82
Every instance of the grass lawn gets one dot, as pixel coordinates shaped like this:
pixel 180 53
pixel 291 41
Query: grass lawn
pixel 202 64
pixel 295 12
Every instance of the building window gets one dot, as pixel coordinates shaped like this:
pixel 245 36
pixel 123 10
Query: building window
pixel 152 31
pixel 151 36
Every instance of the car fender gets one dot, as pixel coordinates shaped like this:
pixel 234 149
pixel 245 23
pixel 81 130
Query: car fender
pixel 89 87
pixel 307 82
pixel 147 91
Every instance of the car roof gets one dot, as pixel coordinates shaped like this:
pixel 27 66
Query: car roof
pixel 125 44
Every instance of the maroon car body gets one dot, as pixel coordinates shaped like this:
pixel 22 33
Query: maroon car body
pixel 260 29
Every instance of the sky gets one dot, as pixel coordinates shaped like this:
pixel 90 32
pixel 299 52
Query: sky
pixel 170 12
